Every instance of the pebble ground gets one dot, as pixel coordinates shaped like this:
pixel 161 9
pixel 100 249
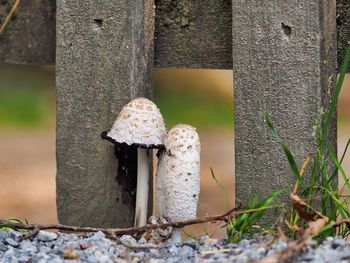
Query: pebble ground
pixel 95 247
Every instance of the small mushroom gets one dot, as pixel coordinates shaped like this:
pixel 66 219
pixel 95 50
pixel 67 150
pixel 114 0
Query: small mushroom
pixel 139 124
pixel 178 176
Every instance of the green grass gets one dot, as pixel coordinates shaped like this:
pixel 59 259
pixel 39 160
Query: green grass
pixel 248 223
pixel 248 220
pixel 23 108
pixel 321 190
pixel 12 220
pixel 24 96
pixel 199 109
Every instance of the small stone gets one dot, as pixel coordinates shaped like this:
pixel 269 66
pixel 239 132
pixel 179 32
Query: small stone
pixel 140 254
pixel 111 250
pixel 15 234
pixel 186 250
pixel 210 242
pixel 203 239
pixel 27 246
pixel 12 259
pixel 128 239
pixel 231 245
pixel 244 243
pixel 222 242
pixel 261 251
pixel 11 242
pixel 44 250
pixel 97 236
pixel 91 258
pixel 56 260
pixel 280 245
pixel 308 256
pixel 3 234
pixel 102 258
pixel 40 257
pixel 46 236
pixel 338 242
pixel 142 240
pixel 329 239
pixel 235 251
pixel 154 253
pixel 191 243
pixel 3 247
pixel 172 248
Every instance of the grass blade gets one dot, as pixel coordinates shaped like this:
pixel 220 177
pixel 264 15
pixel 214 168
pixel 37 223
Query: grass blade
pixel 334 101
pixel 286 150
pixel 220 185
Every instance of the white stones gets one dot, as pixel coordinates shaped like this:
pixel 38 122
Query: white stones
pixel 139 122
pixel 178 175
pixel 46 236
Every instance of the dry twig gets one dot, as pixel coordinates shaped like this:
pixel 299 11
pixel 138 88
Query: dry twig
pixel 121 231
pixel 8 17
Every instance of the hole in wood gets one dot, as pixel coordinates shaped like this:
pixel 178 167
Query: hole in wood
pixel 287 30
pixel 98 22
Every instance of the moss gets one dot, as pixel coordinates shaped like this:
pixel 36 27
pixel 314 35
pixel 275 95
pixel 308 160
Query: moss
pixel 176 14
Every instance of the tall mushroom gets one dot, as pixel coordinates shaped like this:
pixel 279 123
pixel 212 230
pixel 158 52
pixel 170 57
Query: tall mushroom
pixel 139 124
pixel 178 176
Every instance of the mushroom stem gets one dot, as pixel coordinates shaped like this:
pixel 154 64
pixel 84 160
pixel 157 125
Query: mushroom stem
pixel 176 235
pixel 142 188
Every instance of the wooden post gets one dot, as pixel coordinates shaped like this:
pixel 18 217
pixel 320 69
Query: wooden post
pixel 343 29
pixel 284 58
pixel 194 34
pixel 29 37
pixel 104 59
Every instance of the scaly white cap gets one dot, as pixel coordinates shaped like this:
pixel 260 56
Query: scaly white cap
pixel 178 175
pixel 139 122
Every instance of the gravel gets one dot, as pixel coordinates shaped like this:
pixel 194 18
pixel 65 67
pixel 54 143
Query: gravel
pixel 96 247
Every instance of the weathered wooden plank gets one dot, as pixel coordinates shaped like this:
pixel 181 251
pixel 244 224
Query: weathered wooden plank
pixel 189 33
pixel 194 34
pixel 30 35
pixel 343 28
pixel 104 59
pixel 284 53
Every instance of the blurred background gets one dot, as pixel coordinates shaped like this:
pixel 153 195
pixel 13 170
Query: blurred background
pixel 202 98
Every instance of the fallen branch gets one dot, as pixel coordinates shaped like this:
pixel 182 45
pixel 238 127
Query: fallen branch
pixel 121 231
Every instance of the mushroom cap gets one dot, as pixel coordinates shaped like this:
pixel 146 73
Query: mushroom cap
pixel 178 174
pixel 139 122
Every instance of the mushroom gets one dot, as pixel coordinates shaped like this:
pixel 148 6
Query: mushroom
pixel 178 176
pixel 139 124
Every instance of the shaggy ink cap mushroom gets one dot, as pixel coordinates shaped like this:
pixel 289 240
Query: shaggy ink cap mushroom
pixel 178 175
pixel 140 124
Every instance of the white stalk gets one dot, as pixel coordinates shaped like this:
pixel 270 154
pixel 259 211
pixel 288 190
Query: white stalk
pixel 176 235
pixel 142 188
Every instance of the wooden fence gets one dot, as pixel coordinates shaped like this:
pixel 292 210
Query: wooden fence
pixel 283 56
